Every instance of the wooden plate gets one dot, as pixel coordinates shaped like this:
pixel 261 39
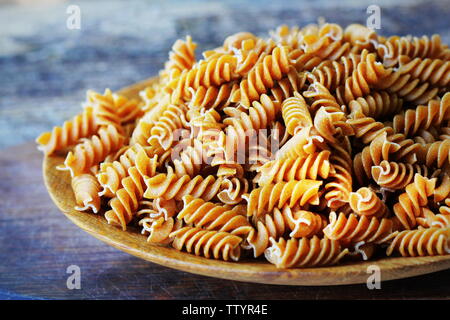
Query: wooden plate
pixel 131 241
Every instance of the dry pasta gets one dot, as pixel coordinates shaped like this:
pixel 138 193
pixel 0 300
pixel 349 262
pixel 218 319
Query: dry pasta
pixel 302 148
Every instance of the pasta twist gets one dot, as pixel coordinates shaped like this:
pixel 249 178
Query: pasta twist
pixel 321 97
pixel 213 97
pixel 413 47
pixel 367 128
pixel 191 159
pixel 433 71
pixel 210 216
pixel 301 223
pixel 407 88
pixel 207 243
pixel 409 204
pixel 159 230
pixel 423 117
pixel 169 186
pixel 80 126
pixel 397 176
pixel 263 76
pixel 162 133
pixel 337 191
pixel 384 147
pixel 232 189
pixel 365 202
pixel 377 105
pixel 91 151
pixel 368 72
pixel 304 252
pixel 421 242
pixel 354 229
pixel 313 166
pixel 213 72
pixel 332 124
pixel 295 113
pixel 126 201
pixel 292 82
pixel 111 175
pixel 332 74
pixel 182 55
pixel 429 219
pixel 267 197
pixel 86 188
pixel 434 154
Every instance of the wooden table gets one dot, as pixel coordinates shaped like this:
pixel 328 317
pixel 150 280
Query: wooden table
pixel 44 71
pixel 37 244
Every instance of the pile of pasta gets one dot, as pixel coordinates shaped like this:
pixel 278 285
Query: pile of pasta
pixel 351 159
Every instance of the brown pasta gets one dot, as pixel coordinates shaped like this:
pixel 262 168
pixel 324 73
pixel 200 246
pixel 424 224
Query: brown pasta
pixel 304 147
pixel 81 126
pixel 421 242
pixel 304 252
pixel 207 243
pixel 86 189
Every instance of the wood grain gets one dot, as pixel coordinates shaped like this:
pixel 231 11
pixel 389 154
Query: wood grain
pixel 58 185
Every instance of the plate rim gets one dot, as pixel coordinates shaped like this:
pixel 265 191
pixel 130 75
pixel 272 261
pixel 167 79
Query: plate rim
pixel 257 272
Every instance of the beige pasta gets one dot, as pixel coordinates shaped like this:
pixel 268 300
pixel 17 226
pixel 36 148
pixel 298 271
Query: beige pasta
pixel 302 147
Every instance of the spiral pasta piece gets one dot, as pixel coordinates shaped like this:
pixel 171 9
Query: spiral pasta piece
pixel 332 74
pixel 337 190
pixel 232 189
pixel 409 204
pixel 111 173
pixel 407 88
pixel 368 72
pixel 291 83
pixel 304 252
pixel 367 128
pixel 213 97
pixel 86 188
pixel 267 197
pixel 365 202
pixel 207 243
pixel 413 47
pixel 182 55
pixel 263 76
pixel 159 230
pixel 91 151
pixel 296 113
pixel 377 105
pixel 434 154
pixel 397 176
pixel 429 219
pixel 126 201
pixel 169 186
pixel 423 117
pixel 210 216
pixel 421 242
pixel 354 229
pixel 384 147
pixel 162 133
pixel 80 126
pixel 313 166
